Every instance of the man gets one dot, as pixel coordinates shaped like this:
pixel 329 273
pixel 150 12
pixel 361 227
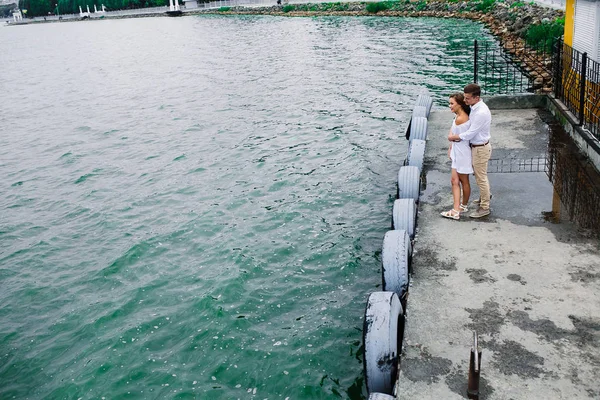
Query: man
pixel 478 135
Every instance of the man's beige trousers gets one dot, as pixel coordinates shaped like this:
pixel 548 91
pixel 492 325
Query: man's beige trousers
pixel 481 156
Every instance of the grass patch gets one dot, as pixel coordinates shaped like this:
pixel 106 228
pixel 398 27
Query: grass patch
pixel 485 5
pixel 421 5
pixel 374 8
pixel 288 7
pixel 342 6
pixel 224 9
pixel 542 36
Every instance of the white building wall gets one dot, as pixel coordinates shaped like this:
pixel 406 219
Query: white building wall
pixel 556 4
pixel 586 37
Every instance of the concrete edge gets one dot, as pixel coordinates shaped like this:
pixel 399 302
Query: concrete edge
pixel 517 101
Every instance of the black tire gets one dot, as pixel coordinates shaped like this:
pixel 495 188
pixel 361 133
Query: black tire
pixel 381 396
pixel 426 101
pixel 408 183
pixel 418 128
pixel 416 154
pixel 404 216
pixel 394 261
pixel 381 339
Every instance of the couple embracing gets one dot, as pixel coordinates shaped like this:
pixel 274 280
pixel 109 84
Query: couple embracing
pixel 470 151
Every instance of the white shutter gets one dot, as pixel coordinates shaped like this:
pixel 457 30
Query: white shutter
pixel 586 38
pixel 597 58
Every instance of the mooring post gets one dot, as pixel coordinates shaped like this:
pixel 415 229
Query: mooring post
pixel 474 370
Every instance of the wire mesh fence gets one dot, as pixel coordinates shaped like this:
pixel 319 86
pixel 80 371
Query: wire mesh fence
pixel 513 165
pixel 496 72
pixel 515 68
pixel 591 103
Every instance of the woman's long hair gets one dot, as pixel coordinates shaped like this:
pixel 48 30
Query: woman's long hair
pixel 460 99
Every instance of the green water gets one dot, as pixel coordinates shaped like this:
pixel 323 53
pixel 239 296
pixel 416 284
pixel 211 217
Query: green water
pixel 194 208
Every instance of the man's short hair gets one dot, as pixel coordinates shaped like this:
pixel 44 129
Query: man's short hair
pixel 473 89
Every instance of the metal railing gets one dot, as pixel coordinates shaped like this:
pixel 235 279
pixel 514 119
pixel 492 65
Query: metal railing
pixel 496 72
pixel 515 165
pixel 577 85
pixel 99 14
pixel 516 68
pixel 575 81
pixel 206 5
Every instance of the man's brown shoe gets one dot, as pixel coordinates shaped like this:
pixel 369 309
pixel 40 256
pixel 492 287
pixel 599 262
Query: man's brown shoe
pixel 480 212
pixel 478 201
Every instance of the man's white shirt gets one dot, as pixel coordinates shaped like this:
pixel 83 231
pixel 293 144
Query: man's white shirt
pixel 481 119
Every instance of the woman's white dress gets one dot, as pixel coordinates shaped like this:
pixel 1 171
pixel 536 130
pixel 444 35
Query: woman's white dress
pixel 461 151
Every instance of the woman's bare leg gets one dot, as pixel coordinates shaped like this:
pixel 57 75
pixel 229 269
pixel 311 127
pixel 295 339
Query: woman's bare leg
pixel 455 181
pixel 466 188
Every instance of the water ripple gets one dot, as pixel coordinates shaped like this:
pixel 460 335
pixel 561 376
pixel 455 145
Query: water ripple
pixel 194 207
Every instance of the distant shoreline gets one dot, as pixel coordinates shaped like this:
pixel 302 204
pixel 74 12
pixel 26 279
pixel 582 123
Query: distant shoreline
pixel 275 10
pixel 416 8
pixel 508 21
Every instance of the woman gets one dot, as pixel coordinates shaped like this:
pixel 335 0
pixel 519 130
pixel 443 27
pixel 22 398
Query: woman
pixel 460 154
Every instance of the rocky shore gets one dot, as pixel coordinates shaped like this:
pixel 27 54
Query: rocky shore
pixel 510 17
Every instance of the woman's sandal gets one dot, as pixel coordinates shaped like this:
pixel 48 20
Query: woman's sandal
pixel 452 214
pixel 464 208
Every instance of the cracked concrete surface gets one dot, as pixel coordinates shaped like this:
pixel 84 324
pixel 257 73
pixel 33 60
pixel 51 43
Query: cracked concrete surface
pixel 529 287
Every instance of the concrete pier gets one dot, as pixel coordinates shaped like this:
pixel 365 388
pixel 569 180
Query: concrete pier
pixel 529 287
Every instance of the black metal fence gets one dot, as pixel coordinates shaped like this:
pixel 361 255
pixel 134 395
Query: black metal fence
pixel 577 85
pixel 548 66
pixel 513 165
pixel 515 67
pixel 497 72
pixel 575 81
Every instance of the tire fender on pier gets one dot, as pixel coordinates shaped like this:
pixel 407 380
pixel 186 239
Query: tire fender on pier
pixel 418 128
pixel 424 100
pixel 381 396
pixel 395 257
pixel 419 111
pixel 404 216
pixel 416 153
pixel 408 183
pixel 381 341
